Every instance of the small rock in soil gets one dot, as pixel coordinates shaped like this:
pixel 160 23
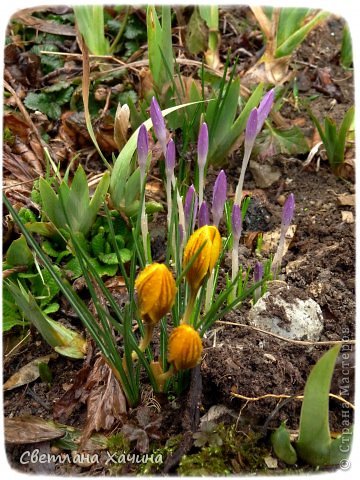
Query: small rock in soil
pixel 264 174
pixel 282 312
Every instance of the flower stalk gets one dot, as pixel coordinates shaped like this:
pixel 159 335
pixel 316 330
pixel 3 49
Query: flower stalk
pixel 217 210
pixel 236 226
pixel 142 151
pixel 203 148
pixel 254 124
pixel 287 216
pixel 190 209
pixel 250 135
pixel 170 178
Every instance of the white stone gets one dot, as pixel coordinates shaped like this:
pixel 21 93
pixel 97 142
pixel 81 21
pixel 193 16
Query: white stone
pixel 287 315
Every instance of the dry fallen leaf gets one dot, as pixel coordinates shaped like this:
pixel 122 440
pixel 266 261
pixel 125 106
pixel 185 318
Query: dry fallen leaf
pixel 28 373
pixel 271 240
pixel 250 239
pixel 29 429
pixel 106 402
pixel 346 200
pixel 271 462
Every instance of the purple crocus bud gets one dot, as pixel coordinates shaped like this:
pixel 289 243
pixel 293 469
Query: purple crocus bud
pixel 203 214
pixel 251 129
pixel 219 198
pixel 142 147
pixel 158 123
pixel 203 145
pixel 264 108
pixel 288 210
pixel 170 158
pixel 258 272
pixel 236 221
pixel 191 205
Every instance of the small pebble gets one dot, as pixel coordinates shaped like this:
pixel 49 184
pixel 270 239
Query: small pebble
pixel 281 200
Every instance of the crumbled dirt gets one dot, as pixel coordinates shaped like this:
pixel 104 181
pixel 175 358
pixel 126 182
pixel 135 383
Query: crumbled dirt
pixel 238 362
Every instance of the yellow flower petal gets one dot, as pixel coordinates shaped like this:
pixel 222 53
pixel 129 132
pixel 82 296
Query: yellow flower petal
pixel 206 259
pixel 184 348
pixel 156 289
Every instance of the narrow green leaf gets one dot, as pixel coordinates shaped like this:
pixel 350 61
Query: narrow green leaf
pixel 55 334
pixel 292 42
pixel 280 441
pixel 346 55
pixel 345 126
pixel 50 203
pixel 96 201
pixel 159 39
pixel 90 21
pixel 313 445
pixel 290 21
pixel 210 13
pixel 220 151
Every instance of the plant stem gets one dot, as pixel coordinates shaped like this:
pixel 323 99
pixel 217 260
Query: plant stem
pixel 234 266
pixel 189 307
pixel 181 219
pixel 163 377
pixel 144 221
pixel 209 291
pixel 201 187
pixel 145 341
pixel 121 31
pixel 239 188
pixel 275 266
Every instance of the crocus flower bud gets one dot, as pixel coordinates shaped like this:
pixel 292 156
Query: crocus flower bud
pixel 121 125
pixel 184 348
pixel 142 147
pixel 170 158
pixel 258 272
pixel 264 108
pixel 236 221
pixel 191 200
pixel 251 129
pixel 288 210
pixel 158 123
pixel 156 289
pixel 203 145
pixel 203 214
pixel 208 238
pixel 219 198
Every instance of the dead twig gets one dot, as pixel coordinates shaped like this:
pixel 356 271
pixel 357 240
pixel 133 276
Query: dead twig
pixel 282 396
